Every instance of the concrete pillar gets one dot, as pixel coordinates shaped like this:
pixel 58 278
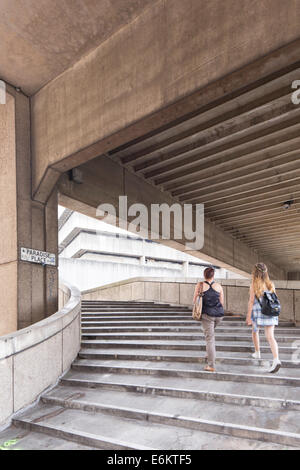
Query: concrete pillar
pixel 222 273
pixel 28 292
pixel 185 269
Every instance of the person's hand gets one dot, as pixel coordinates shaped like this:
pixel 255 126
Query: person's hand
pixel 248 321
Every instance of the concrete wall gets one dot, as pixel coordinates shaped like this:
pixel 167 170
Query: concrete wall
pixel 180 291
pixel 88 274
pixel 32 359
pixel 8 216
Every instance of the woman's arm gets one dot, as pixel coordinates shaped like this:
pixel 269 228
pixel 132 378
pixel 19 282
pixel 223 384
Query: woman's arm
pixel 196 292
pixel 222 296
pixel 250 305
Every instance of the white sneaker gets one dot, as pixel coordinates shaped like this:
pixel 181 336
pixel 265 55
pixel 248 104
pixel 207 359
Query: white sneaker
pixel 275 366
pixel 256 355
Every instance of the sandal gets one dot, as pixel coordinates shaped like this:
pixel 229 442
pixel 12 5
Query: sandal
pixel 209 369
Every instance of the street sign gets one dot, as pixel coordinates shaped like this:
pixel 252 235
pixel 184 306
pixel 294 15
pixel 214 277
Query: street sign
pixel 37 256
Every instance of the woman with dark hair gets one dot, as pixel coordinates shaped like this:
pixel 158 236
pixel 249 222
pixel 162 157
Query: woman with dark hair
pixel 212 313
pixel 260 284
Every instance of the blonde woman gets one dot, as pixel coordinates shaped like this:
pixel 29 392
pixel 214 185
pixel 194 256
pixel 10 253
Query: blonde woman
pixel 261 283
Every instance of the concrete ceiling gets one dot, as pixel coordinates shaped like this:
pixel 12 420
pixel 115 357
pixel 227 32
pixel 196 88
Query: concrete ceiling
pixel 240 156
pixel 39 39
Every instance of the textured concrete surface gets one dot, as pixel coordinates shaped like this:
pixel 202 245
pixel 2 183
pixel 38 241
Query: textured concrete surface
pixel 8 213
pixel 51 35
pixel 29 370
pixel 192 45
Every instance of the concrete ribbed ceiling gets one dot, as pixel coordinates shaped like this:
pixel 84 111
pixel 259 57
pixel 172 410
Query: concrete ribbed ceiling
pixel 240 156
pixel 39 39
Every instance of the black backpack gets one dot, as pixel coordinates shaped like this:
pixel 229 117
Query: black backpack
pixel 270 305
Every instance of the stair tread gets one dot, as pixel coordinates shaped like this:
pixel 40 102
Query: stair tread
pixel 178 342
pixel 192 408
pixel 179 334
pixel 181 353
pixel 192 327
pixel 261 369
pixel 142 433
pixel 223 386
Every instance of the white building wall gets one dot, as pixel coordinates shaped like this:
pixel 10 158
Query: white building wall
pixel 93 270
pixel 87 274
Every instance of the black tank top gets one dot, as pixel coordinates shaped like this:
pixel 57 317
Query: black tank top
pixel 211 302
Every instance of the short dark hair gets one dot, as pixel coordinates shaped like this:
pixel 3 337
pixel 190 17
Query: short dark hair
pixel 209 273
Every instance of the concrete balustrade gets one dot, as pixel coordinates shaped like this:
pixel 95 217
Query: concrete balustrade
pixel 32 359
pixel 180 292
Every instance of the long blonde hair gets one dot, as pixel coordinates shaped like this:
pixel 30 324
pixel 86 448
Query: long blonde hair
pixel 261 280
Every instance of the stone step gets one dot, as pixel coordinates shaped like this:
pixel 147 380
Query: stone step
pixel 177 357
pixel 169 370
pixel 189 413
pixel 98 326
pixel 128 305
pixel 30 440
pixel 94 333
pixel 105 430
pixel 135 304
pixel 144 383
pixel 260 368
pixel 162 320
pixel 136 313
pixel 74 427
pixel 183 345
pixel 166 321
pixel 122 303
pixel 137 319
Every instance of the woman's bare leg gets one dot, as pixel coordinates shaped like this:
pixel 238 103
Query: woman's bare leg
pixel 255 338
pixel 269 332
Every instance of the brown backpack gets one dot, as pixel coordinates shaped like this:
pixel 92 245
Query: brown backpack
pixel 197 309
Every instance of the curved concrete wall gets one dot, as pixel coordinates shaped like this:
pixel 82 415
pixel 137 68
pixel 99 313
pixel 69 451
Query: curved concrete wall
pixel 32 359
pixel 180 291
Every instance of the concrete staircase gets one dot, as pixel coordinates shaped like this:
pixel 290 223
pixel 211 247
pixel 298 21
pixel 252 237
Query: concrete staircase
pixel 139 383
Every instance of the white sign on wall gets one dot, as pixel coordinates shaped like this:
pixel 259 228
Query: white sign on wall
pixel 37 256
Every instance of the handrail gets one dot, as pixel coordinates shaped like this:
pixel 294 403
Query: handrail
pixel 13 343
